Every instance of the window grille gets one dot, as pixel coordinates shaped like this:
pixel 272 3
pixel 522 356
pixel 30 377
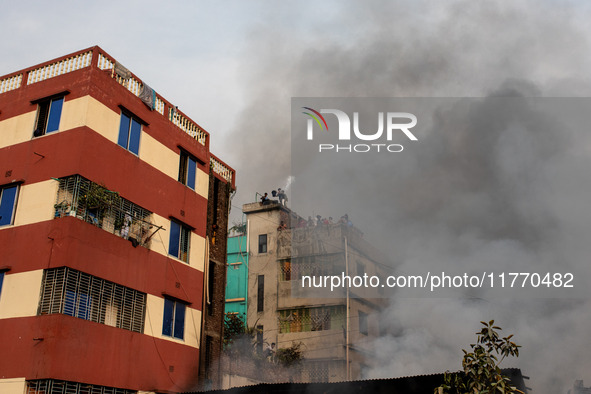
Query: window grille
pixel 316 371
pixel 51 386
pixel 75 293
pixel 285 270
pixel 318 265
pixel 93 203
pixel 311 319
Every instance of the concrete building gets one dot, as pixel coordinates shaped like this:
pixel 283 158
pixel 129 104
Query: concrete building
pixel 237 276
pixel 579 388
pixel 334 331
pixel 113 215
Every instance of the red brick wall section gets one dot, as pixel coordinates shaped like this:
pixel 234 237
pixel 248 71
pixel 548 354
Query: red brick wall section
pixel 213 313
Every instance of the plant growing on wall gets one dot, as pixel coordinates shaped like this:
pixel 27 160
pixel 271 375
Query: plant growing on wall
pixel 238 228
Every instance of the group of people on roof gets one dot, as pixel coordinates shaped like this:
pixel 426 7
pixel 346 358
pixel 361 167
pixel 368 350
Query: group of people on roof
pixel 279 194
pixel 320 221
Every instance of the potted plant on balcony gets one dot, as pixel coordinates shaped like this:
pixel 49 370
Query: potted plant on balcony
pixel 97 199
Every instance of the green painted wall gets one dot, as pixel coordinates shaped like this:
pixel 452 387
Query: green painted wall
pixel 237 275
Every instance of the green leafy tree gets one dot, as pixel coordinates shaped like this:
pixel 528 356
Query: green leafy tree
pixel 234 328
pixel 481 372
pixel 239 338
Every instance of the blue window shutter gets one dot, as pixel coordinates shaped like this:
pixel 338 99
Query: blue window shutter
pixel 179 321
pixel 55 113
pixel 7 199
pixel 134 136
pixel 175 234
pixel 1 280
pixel 70 303
pixel 168 315
pixel 83 306
pixel 124 131
pixel 191 173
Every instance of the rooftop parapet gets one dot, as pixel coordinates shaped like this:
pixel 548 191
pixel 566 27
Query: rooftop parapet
pixel 97 58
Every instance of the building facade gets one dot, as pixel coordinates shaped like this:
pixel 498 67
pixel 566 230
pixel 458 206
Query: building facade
pixel 334 332
pixel 109 201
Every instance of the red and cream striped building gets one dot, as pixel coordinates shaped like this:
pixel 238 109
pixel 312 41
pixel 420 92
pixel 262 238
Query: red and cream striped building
pixel 105 235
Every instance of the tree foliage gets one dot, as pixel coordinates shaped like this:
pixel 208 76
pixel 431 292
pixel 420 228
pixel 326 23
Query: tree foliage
pixel 290 356
pixel 238 228
pixel 234 328
pixel 98 197
pixel 240 341
pixel 481 372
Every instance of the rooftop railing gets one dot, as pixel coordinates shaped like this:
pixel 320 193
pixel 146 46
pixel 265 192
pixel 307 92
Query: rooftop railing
pixel 10 83
pixel 220 168
pixel 59 67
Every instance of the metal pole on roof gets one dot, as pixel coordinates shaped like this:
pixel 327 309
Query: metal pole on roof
pixel 347 315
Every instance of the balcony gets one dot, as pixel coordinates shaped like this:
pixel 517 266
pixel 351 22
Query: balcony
pixel 94 204
pixel 323 240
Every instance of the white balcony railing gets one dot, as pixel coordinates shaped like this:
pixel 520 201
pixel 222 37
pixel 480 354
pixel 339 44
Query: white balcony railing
pixel 60 67
pixel 131 83
pixel 10 83
pixel 221 169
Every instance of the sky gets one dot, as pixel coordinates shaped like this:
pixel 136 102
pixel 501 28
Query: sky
pixel 233 67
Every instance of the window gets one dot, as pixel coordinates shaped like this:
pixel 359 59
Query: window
pixel 75 293
pixel 261 293
pixel 187 170
pixel 77 304
pixel 1 280
pixel 297 267
pixel 129 133
pixel 360 268
pixel 311 319
pixel 285 270
pixel 179 241
pixel 51 386
pixel 7 204
pixel 48 116
pixel 173 324
pixel 320 319
pixel 317 371
pixel 362 323
pixel 263 243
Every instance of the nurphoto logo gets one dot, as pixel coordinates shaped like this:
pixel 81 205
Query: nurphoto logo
pixel 396 123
